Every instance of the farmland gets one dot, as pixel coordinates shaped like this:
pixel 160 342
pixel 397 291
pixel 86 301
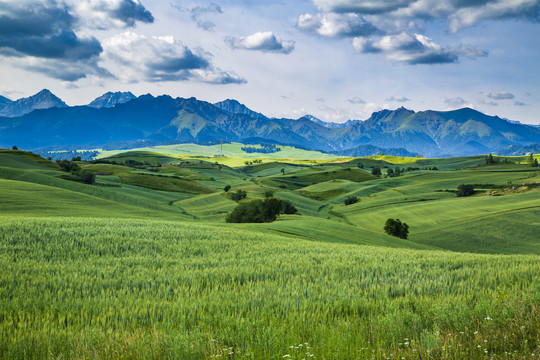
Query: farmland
pixel 142 265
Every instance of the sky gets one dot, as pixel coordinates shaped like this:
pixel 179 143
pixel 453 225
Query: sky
pixel 333 59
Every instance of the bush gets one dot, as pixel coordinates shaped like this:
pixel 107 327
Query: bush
pixel 87 177
pixel 351 200
pixel 376 171
pixel 395 227
pixel 268 193
pixel 259 211
pixel 227 188
pixel 68 166
pixel 239 195
pixel 465 190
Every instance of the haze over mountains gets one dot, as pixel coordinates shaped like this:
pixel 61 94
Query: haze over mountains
pixel 43 120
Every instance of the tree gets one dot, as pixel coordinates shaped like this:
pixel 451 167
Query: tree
pixel 87 177
pixel 360 165
pixel 239 195
pixel 68 166
pixel 268 193
pixel 465 190
pixel 14 147
pixel 282 171
pixel 530 160
pixel 259 211
pixel 351 200
pixel 490 160
pixel 376 171
pixel 535 163
pixel 76 158
pixel 390 172
pixel 395 227
pixel 227 188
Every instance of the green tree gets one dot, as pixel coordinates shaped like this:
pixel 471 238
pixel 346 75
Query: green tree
pixel 351 200
pixel 376 171
pixel 14 147
pixel 227 188
pixel 259 211
pixel 395 227
pixel 535 163
pixel 530 160
pixel 465 190
pixel 282 171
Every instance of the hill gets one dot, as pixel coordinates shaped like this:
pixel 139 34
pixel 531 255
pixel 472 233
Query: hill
pixel 164 120
pixel 143 262
pixel 111 99
pixel 517 150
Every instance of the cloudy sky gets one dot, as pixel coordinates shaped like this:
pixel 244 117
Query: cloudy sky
pixel 334 59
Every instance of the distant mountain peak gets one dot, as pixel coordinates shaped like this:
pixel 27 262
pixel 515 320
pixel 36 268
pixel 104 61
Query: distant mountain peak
pixel 42 100
pixel 111 99
pixel 232 106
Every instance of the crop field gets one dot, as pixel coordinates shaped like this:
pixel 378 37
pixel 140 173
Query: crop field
pixel 142 265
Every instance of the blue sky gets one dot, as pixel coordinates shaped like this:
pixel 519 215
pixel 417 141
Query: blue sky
pixel 334 59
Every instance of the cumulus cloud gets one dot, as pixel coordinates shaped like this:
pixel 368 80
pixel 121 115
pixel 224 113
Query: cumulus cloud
pixel 262 41
pixel 413 49
pixel 336 25
pixel 501 96
pixel 459 13
pixel 356 100
pixel 106 14
pixel 43 35
pixel 398 98
pixel 162 59
pixel 455 102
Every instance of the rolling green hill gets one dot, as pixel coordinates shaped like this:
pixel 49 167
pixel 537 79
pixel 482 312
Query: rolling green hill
pixel 141 264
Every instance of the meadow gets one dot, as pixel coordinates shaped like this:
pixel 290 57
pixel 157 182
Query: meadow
pixel 141 265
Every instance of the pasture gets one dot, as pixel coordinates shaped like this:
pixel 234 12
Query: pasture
pixel 141 264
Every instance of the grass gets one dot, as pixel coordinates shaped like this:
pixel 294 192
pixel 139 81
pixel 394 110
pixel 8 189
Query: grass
pixel 98 288
pixel 142 264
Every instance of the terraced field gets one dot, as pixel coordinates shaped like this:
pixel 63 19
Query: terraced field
pixel 142 265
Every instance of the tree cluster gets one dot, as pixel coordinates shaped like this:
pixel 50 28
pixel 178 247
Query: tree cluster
pixel 238 195
pixel 395 227
pixel 76 173
pixel 263 149
pixel 531 161
pixel 351 200
pixel 376 171
pixel 465 190
pixel 260 211
pixel 256 161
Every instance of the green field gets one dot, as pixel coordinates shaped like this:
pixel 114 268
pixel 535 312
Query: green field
pixel 141 264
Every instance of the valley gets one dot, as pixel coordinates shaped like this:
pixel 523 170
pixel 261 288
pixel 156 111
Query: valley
pixel 141 263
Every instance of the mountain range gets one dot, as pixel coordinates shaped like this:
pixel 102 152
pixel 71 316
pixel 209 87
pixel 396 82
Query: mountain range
pixel 43 120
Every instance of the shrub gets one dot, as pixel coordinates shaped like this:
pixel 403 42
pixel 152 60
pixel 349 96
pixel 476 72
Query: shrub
pixel 87 177
pixel 68 166
pixel 268 193
pixel 227 188
pixel 465 190
pixel 239 195
pixel 351 200
pixel 395 227
pixel 259 211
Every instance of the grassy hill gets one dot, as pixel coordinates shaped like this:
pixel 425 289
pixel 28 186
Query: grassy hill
pixel 141 264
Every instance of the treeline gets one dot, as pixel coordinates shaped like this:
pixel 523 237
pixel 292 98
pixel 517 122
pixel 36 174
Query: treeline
pixel 84 155
pixel 263 149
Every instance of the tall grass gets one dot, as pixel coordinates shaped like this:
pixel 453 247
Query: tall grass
pixel 108 289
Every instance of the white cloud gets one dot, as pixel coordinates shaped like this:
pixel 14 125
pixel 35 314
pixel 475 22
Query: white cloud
pixel 161 59
pixel 501 96
pixel 455 102
pixel 356 100
pixel 398 98
pixel 362 6
pixel 105 14
pixel 262 41
pixel 336 25
pixel 414 49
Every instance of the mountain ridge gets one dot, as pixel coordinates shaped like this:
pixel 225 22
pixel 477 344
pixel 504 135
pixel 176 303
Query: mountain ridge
pixel 167 120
